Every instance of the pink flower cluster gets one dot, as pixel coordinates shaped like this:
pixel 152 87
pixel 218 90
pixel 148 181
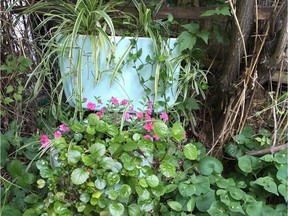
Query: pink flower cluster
pixel 45 141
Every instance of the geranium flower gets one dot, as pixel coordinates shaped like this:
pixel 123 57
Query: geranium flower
pixel 91 106
pixel 164 116
pixel 44 141
pixel 57 134
pixel 147 136
pixel 131 108
pixel 64 128
pixel 99 114
pixel 139 115
pixel 127 116
pixel 148 117
pixel 149 126
pixel 124 102
pixel 114 101
pixel 156 137
pixel 184 135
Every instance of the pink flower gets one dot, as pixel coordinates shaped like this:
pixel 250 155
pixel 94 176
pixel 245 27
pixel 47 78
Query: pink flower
pixel 148 112
pixel 103 109
pixel 150 102
pixel 124 102
pixel 115 101
pixel 131 108
pixel 91 106
pixel 148 118
pixel 64 128
pixel 164 116
pixel 44 140
pixel 57 134
pixel 184 135
pixel 156 137
pixel 99 114
pixel 147 136
pixel 149 126
pixel 85 99
pixel 139 115
pixel 127 116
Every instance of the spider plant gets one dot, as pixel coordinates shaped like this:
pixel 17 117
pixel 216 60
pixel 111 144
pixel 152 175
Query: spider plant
pixel 93 18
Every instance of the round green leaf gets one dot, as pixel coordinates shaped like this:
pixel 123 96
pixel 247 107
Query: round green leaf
pixel 100 183
pixel 178 131
pixel 125 191
pixel 152 181
pixel 73 156
pixel 186 190
pixel 93 119
pixel 116 209
pixel 209 165
pixel 79 176
pixel 134 210
pixel 167 169
pixel 190 151
pixel 161 129
pixel 97 150
pixel 175 205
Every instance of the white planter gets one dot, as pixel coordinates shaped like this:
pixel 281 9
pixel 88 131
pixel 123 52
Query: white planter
pixel 125 85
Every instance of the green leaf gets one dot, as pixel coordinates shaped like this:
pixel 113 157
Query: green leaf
pixel 248 163
pixel 190 151
pixel 253 208
pixel 93 119
pixel 204 35
pixel 225 11
pixel 9 89
pixel 8 100
pixel 116 209
pixel 267 158
pixel 178 131
pixel 100 183
pixel 186 41
pixel 10 210
pixel 186 190
pixel 218 209
pixel 283 190
pixel 15 168
pixel 236 207
pixel 125 191
pixel 78 127
pixel 170 188
pixel 281 157
pixel 175 205
pixel 97 150
pixel 192 27
pixel 134 210
pixel 209 165
pixel 268 183
pixel 282 173
pixel 107 163
pixel 112 178
pixel 79 176
pixel 204 201
pixel 161 129
pixel 191 204
pixel 208 13
pixel 31 198
pixel 192 104
pixel 236 193
pixel 167 169
pixel 73 156
pixel 152 181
